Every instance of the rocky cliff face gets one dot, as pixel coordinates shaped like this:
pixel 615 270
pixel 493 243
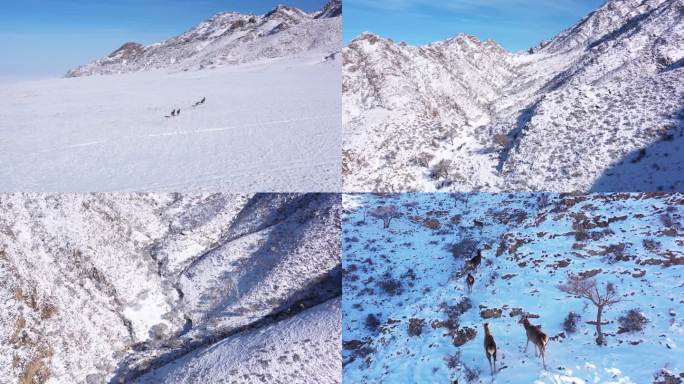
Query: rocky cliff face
pixel 230 38
pixel 567 115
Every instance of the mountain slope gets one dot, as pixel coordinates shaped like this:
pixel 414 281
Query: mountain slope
pixel 254 357
pixel 549 119
pixel 408 315
pixel 99 288
pixel 230 38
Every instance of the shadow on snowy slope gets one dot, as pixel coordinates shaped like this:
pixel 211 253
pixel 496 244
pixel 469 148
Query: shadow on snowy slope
pixel 324 289
pixel 516 134
pixel 657 167
pixel 296 220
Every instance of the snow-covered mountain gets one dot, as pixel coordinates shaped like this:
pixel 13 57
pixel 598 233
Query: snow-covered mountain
pixel 598 107
pixel 102 288
pixel 230 38
pixel 409 318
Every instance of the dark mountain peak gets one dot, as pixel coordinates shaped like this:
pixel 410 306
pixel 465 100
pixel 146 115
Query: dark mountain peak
pixel 130 46
pixel 332 9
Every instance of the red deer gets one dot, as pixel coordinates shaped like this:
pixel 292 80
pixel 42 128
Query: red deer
pixel 490 348
pixel 470 280
pixel 475 261
pixel 538 338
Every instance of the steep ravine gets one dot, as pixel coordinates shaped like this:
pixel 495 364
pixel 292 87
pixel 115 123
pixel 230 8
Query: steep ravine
pixel 144 279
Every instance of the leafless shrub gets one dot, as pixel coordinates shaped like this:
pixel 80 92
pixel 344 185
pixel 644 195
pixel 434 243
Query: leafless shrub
pixel 632 321
pixel 471 374
pixel 453 361
pixel 570 322
pixel 464 248
pixel 415 327
pixel 390 285
pixel 423 159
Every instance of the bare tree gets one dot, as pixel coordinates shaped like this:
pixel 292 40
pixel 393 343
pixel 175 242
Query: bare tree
pixel 386 213
pixel 588 289
pixel 441 169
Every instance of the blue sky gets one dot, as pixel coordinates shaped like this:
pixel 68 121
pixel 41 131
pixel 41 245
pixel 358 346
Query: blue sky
pixel 515 24
pixel 48 37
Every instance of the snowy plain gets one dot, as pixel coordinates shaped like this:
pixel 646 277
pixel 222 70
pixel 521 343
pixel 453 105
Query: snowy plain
pixel 414 273
pixel 265 127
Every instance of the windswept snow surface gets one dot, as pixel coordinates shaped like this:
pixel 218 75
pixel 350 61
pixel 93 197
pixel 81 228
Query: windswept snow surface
pixel 600 108
pixel 267 127
pixel 413 273
pixel 98 288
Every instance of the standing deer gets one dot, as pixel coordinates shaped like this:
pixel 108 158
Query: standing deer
pixel 470 280
pixel 490 348
pixel 538 338
pixel 475 261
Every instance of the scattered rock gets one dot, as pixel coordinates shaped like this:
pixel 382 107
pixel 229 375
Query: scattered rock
pixel 590 273
pixel 490 313
pixel 464 335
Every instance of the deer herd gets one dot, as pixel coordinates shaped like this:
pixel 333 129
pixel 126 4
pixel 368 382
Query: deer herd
pixel 534 332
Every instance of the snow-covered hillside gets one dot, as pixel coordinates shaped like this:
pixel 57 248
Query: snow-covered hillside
pixel 102 288
pixel 590 109
pixel 408 316
pixel 230 38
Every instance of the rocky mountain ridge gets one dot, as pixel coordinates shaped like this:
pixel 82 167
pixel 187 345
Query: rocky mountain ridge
pixel 465 114
pixel 230 38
